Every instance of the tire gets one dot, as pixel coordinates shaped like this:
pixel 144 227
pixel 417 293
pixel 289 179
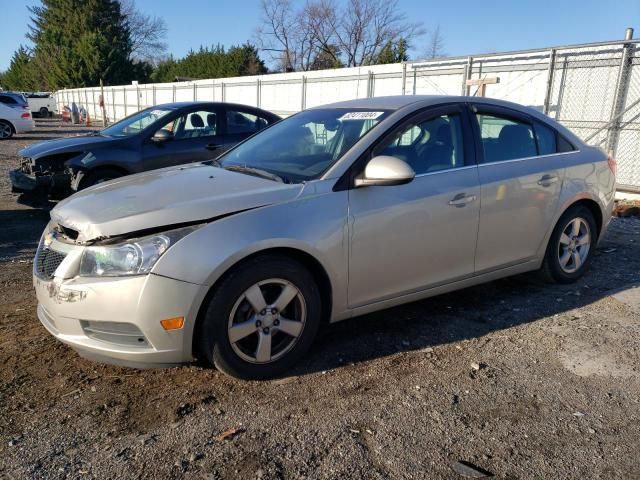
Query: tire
pixel 229 310
pixel 6 130
pixel 44 112
pixel 94 177
pixel 567 258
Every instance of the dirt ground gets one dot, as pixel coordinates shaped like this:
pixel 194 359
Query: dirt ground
pixel 516 377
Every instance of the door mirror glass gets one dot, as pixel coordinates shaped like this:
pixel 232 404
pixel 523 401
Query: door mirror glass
pixel 385 170
pixel 162 135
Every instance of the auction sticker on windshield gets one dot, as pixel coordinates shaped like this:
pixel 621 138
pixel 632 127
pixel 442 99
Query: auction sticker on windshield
pixel 360 116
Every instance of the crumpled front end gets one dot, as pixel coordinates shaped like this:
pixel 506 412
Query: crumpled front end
pixel 47 175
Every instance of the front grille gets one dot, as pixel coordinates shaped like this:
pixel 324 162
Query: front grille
pixel 47 261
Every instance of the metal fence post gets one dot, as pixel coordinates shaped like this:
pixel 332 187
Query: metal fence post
pixel 622 87
pixel 258 92
pixel 404 78
pixel 174 93
pixel 370 84
pixel 195 92
pixel 415 79
pixel 223 93
pixel 124 92
pixel 153 95
pixel 138 97
pixel 303 96
pixel 468 73
pixel 213 90
pixel 549 89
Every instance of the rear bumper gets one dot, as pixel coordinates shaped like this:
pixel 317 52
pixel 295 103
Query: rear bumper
pixel 24 125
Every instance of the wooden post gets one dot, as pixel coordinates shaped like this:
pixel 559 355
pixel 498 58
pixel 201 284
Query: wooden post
pixel 482 84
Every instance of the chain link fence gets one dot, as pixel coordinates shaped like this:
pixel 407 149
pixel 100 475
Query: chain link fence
pixel 593 89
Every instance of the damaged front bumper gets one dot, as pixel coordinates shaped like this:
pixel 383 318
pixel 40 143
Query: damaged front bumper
pixel 29 178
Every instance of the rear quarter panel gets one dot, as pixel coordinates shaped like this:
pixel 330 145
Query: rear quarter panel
pixel 587 176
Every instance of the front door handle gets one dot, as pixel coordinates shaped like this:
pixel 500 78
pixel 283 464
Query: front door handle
pixel 461 199
pixel 212 146
pixel 547 180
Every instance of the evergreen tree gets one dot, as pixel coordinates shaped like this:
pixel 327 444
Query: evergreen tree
pixel 393 52
pixel 20 74
pixel 78 42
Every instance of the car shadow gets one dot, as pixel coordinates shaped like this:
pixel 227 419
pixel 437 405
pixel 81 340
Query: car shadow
pixel 470 313
pixel 20 232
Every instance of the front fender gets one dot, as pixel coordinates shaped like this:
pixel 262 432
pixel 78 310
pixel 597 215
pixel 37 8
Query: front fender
pixel 314 225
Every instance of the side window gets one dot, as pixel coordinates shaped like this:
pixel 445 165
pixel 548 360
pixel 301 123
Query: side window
pixel 244 123
pixel 564 145
pixel 7 100
pixel 505 138
pixel 428 145
pixel 202 123
pixel 546 138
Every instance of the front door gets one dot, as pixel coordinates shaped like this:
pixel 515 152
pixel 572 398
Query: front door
pixel 195 136
pixel 411 237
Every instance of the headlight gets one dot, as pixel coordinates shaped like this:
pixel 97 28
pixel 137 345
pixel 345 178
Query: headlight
pixel 133 257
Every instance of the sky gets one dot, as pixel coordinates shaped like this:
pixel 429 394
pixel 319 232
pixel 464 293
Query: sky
pixel 468 26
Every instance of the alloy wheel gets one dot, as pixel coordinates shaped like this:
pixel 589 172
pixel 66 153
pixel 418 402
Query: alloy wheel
pixel 5 130
pixel 267 321
pixel 574 245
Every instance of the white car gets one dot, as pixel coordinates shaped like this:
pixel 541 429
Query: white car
pixel 14 119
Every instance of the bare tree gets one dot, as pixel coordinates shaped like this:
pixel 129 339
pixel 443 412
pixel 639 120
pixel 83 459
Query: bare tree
pixel 322 32
pixel 147 33
pixel 435 47
pixel 366 26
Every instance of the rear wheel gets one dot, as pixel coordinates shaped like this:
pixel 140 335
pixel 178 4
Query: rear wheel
pixel 261 320
pixel 6 130
pixel 94 177
pixel 44 112
pixel 571 246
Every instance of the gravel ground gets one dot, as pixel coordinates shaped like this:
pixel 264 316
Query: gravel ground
pixel 516 377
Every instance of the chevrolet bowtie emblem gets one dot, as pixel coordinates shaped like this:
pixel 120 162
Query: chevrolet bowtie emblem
pixel 48 238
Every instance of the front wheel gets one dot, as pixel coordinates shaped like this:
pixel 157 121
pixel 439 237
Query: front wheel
pixel 261 320
pixel 571 246
pixel 98 176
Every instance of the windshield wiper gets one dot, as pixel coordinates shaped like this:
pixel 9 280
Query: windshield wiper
pixel 253 171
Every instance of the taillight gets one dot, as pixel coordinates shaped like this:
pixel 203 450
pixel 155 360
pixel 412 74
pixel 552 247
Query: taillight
pixel 613 166
pixel 26 115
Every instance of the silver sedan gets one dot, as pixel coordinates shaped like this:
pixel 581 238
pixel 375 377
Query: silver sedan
pixel 334 212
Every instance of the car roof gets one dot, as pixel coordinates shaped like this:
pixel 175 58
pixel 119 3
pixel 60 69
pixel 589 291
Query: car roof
pixel 176 105
pixel 399 102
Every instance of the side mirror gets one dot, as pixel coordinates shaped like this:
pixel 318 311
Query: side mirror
pixel 384 170
pixel 162 136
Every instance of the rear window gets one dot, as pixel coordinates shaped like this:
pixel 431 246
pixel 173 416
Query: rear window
pixel 8 100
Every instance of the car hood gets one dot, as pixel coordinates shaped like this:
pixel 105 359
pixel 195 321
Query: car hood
pixel 163 198
pixel 62 145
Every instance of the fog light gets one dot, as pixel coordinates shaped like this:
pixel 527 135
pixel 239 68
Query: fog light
pixel 172 323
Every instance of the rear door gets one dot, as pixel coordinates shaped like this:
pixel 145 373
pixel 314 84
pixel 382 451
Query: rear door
pixel 521 178
pixel 240 123
pixel 407 238
pixel 195 137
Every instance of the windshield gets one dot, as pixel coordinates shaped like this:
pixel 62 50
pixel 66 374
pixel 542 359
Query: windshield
pixel 135 123
pixel 304 146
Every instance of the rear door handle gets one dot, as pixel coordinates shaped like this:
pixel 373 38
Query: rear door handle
pixel 212 146
pixel 547 180
pixel 461 199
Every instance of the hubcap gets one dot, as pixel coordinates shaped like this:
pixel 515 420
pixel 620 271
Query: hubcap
pixel 267 321
pixel 5 130
pixel 574 245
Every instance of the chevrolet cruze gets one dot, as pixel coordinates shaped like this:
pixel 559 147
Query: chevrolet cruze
pixel 334 212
